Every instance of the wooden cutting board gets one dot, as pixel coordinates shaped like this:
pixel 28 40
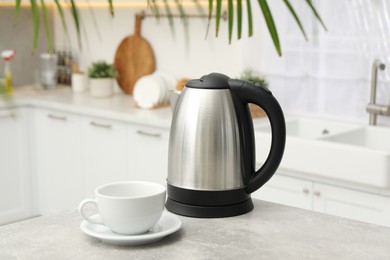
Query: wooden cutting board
pixel 134 58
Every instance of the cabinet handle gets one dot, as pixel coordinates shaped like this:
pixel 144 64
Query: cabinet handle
pixel 148 134
pixel 10 115
pixel 107 126
pixel 317 193
pixel 62 118
pixel 305 190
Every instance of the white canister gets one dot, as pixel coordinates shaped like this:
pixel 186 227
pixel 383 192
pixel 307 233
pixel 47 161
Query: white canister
pixel 48 70
pixel 101 87
pixel 79 82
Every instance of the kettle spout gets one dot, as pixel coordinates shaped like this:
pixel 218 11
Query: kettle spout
pixel 174 97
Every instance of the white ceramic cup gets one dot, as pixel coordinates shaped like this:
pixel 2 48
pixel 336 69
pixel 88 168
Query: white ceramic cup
pixel 127 208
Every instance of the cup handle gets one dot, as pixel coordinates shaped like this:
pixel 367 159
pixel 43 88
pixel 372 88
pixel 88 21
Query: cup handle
pixel 88 218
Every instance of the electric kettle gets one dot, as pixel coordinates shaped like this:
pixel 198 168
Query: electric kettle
pixel 211 163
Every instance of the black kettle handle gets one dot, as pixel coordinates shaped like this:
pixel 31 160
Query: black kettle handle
pixel 248 92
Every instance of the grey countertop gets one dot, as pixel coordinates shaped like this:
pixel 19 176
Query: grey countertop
pixel 270 231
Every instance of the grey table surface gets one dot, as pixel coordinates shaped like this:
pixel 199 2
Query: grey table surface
pixel 270 231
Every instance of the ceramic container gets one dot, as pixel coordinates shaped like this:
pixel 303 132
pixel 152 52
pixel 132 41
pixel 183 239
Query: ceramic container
pixel 101 87
pixel 127 208
pixel 79 82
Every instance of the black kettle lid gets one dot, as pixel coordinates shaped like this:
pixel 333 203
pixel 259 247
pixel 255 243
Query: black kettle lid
pixel 211 81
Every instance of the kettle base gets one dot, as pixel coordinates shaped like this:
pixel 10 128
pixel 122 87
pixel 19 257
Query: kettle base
pixel 209 211
pixel 208 203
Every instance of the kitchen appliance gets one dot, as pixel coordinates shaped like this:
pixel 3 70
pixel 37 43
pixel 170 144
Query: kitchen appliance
pixel 211 165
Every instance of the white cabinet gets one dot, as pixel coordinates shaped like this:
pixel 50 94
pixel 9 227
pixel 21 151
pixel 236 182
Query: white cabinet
pixel 58 160
pixel 104 152
pixel 326 198
pixel 75 154
pixel 286 190
pixel 15 181
pixel 352 204
pixel 148 153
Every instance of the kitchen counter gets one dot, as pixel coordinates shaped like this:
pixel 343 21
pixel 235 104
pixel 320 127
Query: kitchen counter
pixel 119 107
pixel 270 231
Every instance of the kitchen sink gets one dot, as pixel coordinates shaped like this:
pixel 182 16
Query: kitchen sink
pixel 370 137
pixel 312 128
pixel 364 155
pixel 338 150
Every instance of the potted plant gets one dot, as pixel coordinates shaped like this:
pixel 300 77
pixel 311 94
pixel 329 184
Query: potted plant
pixel 248 75
pixel 101 79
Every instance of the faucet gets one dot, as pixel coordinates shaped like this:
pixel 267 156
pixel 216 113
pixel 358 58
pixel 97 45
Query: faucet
pixel 372 108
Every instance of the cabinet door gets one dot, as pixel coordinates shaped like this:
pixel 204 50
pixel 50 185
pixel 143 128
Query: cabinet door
pixel 352 204
pixel 15 181
pixel 148 153
pixel 104 153
pixel 58 160
pixel 287 191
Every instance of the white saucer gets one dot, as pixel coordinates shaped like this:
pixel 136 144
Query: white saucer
pixel 168 224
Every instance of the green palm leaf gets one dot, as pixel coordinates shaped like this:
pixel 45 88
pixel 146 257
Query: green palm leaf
pixel 35 14
pixel 239 18
pixel 170 17
pixel 76 19
pixel 155 9
pixel 294 14
pixel 316 14
pixel 270 24
pixel 61 12
pixel 183 15
pixel 250 19
pixel 230 19
pixel 111 7
pixel 211 2
pixel 218 16
pixel 47 26
pixel 199 8
pixel 17 9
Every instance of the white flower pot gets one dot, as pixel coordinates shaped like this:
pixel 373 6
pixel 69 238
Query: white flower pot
pixel 101 87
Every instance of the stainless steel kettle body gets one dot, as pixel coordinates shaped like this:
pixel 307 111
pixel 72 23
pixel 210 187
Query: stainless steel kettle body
pixel 211 165
pixel 204 150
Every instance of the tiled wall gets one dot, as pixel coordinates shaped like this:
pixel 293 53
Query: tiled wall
pixel 330 75
pixel 19 36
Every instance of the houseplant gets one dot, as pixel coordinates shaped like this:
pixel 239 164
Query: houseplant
pixel 248 74
pixel 235 14
pixel 101 79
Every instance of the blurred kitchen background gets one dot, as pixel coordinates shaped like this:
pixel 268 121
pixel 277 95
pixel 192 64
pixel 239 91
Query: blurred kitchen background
pixel 311 78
